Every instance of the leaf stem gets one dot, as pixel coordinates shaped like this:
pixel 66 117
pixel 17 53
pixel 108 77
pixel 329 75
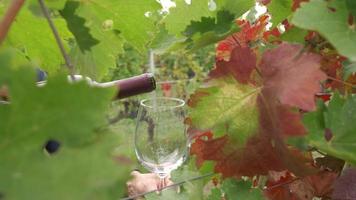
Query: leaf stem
pixel 343 82
pixel 58 39
pixel 9 17
pixel 169 186
pixel 282 184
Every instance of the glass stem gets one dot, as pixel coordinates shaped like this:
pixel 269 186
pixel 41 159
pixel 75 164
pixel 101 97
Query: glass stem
pixel 162 181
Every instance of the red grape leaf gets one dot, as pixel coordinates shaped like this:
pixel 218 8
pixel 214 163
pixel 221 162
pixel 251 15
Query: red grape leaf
pixel 288 186
pixel 262 152
pixel 345 185
pixel 283 86
pixel 290 121
pixel 248 33
pixel 322 182
pixel 278 186
pixel 294 76
pixel 241 64
pixel 257 157
pixel 272 125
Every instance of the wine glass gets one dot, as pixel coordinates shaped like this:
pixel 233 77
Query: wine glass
pixel 161 142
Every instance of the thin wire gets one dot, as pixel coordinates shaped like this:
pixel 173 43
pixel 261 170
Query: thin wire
pixel 174 81
pixel 58 39
pixel 167 187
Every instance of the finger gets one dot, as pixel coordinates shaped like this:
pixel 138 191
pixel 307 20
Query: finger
pixel 135 173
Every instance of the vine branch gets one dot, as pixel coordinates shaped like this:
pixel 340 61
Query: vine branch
pixel 58 39
pixel 9 17
pixel 341 81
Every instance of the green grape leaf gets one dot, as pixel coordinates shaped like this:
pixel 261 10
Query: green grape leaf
pixel 330 19
pixel 225 107
pixel 102 56
pixel 95 51
pixel 50 106
pixel 51 4
pixel 215 194
pixel 331 127
pixel 77 26
pixel 348 70
pixel 83 167
pixel 241 190
pixel 163 41
pixel 31 35
pixel 351 5
pixel 280 10
pixel 237 190
pixel 223 23
pixel 110 29
pixel 207 38
pixel 236 7
pixel 188 190
pixel 133 19
pixel 294 35
pixel 169 194
pixel 88 172
pixel 54 4
pixel 204 14
pixel 177 20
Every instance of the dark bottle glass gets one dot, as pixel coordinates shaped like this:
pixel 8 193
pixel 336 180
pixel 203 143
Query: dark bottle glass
pixel 126 87
pixel 132 86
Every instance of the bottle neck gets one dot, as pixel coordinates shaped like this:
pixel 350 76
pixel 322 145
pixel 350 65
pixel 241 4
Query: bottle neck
pixel 126 87
pixel 135 85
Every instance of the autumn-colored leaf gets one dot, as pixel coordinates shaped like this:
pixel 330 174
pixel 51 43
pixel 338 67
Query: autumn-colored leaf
pixel 264 149
pixel 277 186
pixel 258 157
pixel 331 64
pixel 207 148
pixel 290 121
pixel 241 39
pixel 323 96
pixel 262 152
pixel 322 183
pixel 345 186
pixel 288 186
pixel 272 126
pixel 293 75
pixel 241 64
pixel 225 106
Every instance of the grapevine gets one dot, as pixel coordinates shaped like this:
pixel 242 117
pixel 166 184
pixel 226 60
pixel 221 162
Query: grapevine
pixel 272 117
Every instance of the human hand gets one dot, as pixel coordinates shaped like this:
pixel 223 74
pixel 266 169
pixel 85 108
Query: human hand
pixel 141 183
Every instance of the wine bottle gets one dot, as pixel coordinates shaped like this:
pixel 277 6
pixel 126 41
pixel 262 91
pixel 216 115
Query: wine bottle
pixel 132 86
pixel 126 87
